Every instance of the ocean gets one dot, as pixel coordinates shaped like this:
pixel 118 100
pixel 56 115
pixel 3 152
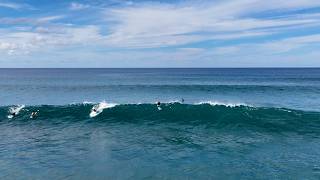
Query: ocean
pixel 212 123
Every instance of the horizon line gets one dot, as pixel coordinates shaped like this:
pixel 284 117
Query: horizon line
pixel 159 67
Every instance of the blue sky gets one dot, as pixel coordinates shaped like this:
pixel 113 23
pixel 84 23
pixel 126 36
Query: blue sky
pixel 124 33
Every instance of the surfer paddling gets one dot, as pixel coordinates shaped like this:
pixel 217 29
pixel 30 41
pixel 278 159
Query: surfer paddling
pixel 34 114
pixel 159 105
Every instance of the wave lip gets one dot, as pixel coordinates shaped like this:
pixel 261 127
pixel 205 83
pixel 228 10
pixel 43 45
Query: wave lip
pixel 217 103
pixel 98 108
pixel 15 110
pixel 211 115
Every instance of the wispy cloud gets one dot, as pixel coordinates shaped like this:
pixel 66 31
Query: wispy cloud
pixel 10 5
pixel 15 6
pixel 293 45
pixel 55 37
pixel 183 30
pixel 290 44
pixel 151 24
pixel 78 6
pixel 30 21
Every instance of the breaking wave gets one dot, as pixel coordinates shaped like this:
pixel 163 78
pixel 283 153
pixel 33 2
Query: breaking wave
pixel 209 114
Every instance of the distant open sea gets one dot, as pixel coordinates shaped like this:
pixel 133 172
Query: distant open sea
pixel 224 123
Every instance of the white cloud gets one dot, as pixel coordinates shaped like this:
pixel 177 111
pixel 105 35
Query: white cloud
pixel 30 21
pixel 78 6
pixel 241 7
pixel 131 28
pixel 42 38
pixel 275 47
pixel 15 6
pixel 289 44
pixel 158 25
pixel 225 50
pixel 10 5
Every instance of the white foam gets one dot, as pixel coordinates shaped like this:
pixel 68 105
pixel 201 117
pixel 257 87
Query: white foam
pixel 217 103
pixel 104 105
pixel 172 102
pixel 100 107
pixel 87 102
pixel 286 110
pixel 15 110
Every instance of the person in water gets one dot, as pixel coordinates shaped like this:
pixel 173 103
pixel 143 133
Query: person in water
pixel 182 100
pixel 13 114
pixel 158 105
pixel 34 114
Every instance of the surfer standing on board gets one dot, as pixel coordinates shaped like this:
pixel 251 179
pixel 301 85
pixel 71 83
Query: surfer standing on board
pixel 13 114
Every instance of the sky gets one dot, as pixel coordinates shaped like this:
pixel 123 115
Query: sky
pixel 163 33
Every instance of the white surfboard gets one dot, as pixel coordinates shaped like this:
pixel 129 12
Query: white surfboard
pixel 10 116
pixel 95 111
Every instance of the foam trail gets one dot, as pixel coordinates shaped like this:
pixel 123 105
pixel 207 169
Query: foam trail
pixel 87 102
pixel 216 103
pixel 13 111
pixel 97 109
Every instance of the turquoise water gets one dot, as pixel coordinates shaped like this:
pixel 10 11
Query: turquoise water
pixel 233 123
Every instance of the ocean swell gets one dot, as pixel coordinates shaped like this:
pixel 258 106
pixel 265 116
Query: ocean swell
pixel 208 114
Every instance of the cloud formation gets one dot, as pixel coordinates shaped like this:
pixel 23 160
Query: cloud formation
pixel 181 30
pixel 78 6
pixel 162 25
pixel 15 6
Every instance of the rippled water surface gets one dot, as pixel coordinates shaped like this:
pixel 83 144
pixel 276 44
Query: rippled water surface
pixel 233 123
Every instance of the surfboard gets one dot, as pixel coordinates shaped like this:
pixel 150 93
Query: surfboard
pixel 97 112
pixel 10 116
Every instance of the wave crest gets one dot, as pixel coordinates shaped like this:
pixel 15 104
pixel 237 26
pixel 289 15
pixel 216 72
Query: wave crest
pixel 215 115
pixel 217 103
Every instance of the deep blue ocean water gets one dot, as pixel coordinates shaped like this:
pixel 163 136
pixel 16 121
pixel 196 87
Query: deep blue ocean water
pixel 248 123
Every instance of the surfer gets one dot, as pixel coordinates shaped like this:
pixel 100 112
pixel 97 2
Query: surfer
pixel 182 100
pixel 13 114
pixel 98 108
pixel 158 105
pixel 34 114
